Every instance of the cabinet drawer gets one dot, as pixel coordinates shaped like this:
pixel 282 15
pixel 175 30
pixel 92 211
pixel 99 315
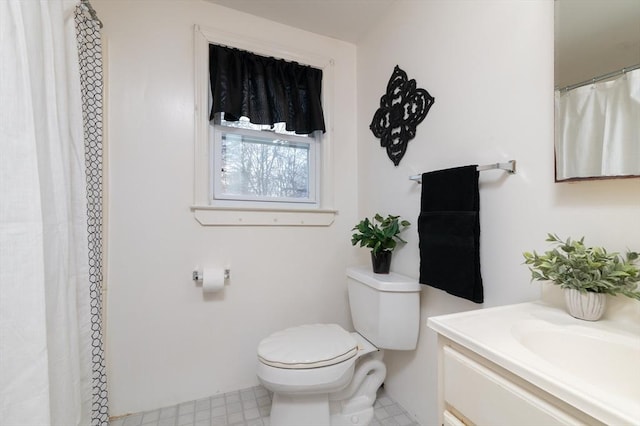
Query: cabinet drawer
pixel 486 398
pixel 449 419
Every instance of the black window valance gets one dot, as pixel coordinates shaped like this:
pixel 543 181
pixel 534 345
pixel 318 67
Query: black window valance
pixel 266 90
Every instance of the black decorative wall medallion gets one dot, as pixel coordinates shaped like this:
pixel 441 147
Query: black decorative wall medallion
pixel 402 108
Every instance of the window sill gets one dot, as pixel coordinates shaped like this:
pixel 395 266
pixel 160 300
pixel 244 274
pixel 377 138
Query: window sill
pixel 232 216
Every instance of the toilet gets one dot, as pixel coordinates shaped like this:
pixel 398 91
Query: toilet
pixel 321 374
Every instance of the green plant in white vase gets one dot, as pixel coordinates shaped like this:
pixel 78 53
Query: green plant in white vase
pixel 380 235
pixel 586 273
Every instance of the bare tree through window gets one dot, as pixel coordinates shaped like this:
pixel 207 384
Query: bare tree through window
pixel 264 167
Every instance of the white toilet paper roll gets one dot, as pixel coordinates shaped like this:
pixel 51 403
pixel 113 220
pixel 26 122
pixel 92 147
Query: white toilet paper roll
pixel 212 280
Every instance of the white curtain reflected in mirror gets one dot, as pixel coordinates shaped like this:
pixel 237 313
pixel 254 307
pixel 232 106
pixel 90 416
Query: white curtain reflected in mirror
pixel 598 129
pixel 597 79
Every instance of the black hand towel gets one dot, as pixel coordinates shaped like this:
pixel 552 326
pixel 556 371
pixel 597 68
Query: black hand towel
pixel 449 232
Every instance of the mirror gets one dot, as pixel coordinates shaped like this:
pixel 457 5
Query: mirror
pixel 597 38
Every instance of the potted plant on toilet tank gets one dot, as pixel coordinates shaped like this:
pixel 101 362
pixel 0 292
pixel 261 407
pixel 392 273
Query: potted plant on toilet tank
pixel 587 274
pixel 381 236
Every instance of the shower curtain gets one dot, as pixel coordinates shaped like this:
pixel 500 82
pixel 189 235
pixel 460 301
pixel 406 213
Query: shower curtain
pixel 51 362
pixel 597 131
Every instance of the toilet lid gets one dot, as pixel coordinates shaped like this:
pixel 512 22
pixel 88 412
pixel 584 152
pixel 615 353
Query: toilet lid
pixel 307 346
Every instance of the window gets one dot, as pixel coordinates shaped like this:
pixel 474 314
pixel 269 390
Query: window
pixel 263 164
pixel 257 174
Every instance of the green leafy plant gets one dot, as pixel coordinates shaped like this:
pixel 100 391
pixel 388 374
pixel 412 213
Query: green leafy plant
pixel 379 234
pixel 573 265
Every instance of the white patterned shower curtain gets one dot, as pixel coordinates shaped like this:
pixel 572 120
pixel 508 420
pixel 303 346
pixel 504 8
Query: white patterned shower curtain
pixel 597 130
pixel 51 359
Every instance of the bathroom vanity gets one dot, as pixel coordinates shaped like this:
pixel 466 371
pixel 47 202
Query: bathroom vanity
pixel 534 364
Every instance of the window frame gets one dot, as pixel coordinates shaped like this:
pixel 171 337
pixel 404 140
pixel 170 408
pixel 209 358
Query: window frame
pixel 246 212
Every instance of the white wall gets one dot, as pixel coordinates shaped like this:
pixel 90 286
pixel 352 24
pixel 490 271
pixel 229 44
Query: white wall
pixel 489 65
pixel 165 343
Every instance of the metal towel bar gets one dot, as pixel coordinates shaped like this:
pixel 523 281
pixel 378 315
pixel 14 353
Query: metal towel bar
pixel 509 166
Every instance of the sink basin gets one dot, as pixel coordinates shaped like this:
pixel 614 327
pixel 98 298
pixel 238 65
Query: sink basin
pixel 604 359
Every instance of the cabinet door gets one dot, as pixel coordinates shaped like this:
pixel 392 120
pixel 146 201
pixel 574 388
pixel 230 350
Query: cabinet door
pixel 488 399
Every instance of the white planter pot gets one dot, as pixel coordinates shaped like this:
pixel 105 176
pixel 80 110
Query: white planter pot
pixel 585 306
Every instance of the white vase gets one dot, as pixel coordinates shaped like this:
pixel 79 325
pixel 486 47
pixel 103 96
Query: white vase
pixel 585 305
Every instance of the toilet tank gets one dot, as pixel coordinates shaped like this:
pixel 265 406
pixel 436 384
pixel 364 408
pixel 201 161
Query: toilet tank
pixel 385 308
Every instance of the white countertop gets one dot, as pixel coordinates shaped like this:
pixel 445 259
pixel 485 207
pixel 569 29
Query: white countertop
pixel 527 339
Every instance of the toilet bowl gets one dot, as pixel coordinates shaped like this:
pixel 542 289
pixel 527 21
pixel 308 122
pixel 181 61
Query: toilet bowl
pixel 321 374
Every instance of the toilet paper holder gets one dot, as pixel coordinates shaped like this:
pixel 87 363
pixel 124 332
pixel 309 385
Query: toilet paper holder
pixel 197 275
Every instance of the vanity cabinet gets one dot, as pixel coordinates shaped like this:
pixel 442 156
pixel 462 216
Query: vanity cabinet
pixel 475 391
pixel 534 364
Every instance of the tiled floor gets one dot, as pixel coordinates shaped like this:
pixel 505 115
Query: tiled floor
pixel 247 407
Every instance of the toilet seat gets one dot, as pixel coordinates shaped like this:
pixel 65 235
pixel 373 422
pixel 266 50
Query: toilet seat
pixel 307 346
